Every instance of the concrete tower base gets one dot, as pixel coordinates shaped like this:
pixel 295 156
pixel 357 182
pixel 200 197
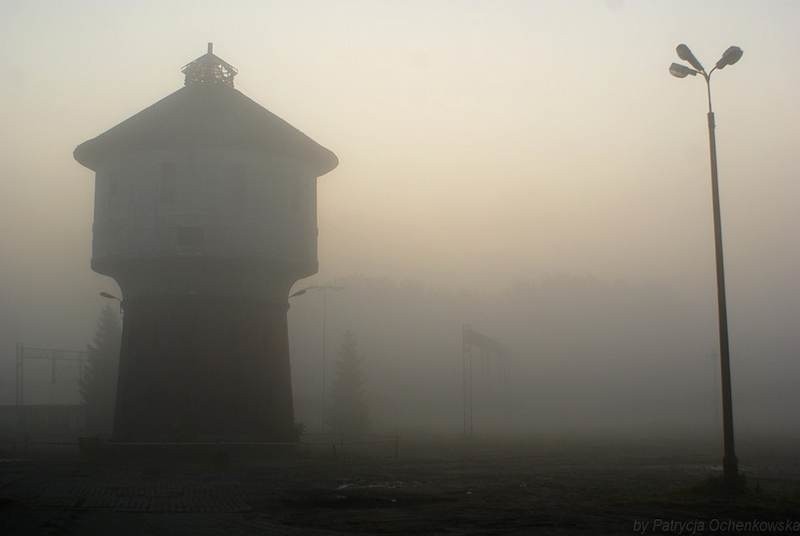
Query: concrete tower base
pixel 198 368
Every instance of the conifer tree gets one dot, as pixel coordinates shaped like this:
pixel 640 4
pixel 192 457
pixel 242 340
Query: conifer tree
pixel 350 416
pixel 98 385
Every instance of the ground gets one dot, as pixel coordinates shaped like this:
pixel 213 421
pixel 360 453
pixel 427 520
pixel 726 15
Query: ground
pixel 553 486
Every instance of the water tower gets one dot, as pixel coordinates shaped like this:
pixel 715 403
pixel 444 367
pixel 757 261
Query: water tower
pixel 205 215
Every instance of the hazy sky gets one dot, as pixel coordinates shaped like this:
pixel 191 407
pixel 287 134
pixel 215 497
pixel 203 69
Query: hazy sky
pixel 480 142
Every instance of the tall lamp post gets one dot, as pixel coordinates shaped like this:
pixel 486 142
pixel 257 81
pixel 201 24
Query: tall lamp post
pixel 324 289
pixel 731 56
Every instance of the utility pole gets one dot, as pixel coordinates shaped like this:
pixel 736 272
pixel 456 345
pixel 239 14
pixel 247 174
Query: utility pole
pixel 324 289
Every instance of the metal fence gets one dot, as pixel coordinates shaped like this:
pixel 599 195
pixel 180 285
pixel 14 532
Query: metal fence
pixel 71 364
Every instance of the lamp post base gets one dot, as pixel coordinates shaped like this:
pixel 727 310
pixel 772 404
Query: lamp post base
pixel 730 470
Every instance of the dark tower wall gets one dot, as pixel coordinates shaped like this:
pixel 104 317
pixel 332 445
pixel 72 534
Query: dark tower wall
pixel 205 215
pixel 204 367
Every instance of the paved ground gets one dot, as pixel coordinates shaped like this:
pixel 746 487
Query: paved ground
pixel 550 487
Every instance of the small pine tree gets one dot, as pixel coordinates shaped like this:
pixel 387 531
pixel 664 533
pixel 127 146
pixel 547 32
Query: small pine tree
pixel 98 385
pixel 349 415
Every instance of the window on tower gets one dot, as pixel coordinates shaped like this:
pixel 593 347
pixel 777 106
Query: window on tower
pixel 167 182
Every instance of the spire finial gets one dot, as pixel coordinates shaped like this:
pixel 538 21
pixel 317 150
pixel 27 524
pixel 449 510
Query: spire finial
pixel 209 69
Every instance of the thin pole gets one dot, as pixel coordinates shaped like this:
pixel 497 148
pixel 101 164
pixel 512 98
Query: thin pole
pixel 729 462
pixel 471 363
pixel 80 372
pixel 324 357
pixel 21 374
pixel 464 378
pixel 18 392
pixel 324 289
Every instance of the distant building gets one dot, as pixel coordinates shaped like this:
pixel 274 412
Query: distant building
pixel 205 215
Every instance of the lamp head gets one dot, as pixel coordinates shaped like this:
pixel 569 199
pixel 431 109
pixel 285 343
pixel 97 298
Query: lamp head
pixel 681 71
pixel 686 55
pixel 729 57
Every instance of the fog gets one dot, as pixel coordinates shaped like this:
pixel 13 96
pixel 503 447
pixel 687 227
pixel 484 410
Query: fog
pixel 527 168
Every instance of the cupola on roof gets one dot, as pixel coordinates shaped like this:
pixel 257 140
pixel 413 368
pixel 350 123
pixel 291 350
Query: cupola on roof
pixel 209 69
pixel 208 112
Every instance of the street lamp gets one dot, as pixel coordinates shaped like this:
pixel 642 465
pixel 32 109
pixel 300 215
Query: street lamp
pixel 110 296
pixel 729 57
pixel 324 289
